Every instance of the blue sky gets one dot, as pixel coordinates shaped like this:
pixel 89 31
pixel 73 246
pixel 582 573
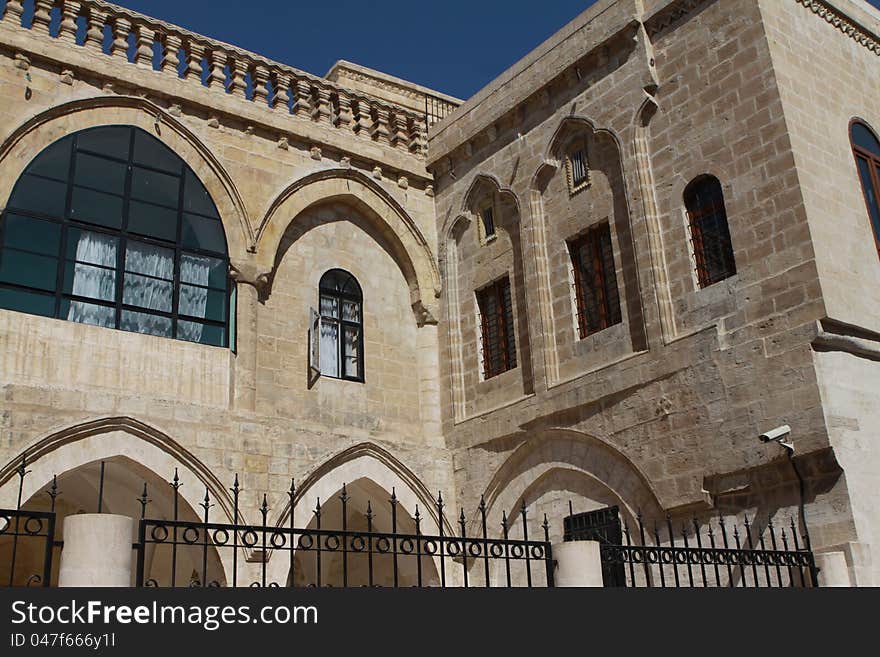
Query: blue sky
pixel 454 46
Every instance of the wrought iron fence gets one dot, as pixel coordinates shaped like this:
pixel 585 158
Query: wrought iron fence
pixel 714 553
pixel 316 555
pixel 29 532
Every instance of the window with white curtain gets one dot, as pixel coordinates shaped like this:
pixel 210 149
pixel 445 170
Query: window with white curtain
pixel 342 339
pixel 110 227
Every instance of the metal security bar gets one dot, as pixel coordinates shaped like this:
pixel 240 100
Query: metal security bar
pixel 716 553
pixel 359 557
pixel 436 109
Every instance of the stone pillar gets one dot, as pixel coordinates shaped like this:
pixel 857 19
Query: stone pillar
pixel 833 570
pixel 97 550
pixel 245 388
pixel 578 564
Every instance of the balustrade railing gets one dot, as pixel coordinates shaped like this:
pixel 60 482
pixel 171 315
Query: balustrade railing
pixel 101 28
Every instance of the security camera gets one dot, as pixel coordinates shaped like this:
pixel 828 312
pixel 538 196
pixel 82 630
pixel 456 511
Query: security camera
pixel 776 435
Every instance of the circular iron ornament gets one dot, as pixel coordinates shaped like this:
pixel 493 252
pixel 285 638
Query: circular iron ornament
pixel 680 558
pixel 475 549
pixel 666 557
pixel 33 526
pixel 652 556
pixel 249 538
pixel 256 585
pixel 430 547
pixel 221 537
pixel 273 585
pixel 190 535
pixel 331 542
pixel 159 534
pixel 453 548
pixel 516 551
pixel 537 552
pixel 497 550
pixel 195 584
pixel 637 556
pixel 214 584
pixel 358 543
pixel 4 523
pixel 151 583
pixel 305 542
pixel 34 580
pixel 407 546
pixel 383 544
pixel 278 540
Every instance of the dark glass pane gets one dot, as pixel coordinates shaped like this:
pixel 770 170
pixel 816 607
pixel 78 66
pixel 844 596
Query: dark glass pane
pixel 202 303
pixel 488 222
pixel 196 198
pixel 90 247
pixel 145 323
pixel 155 187
pixel 200 233
pixel 112 140
pixel 100 173
pixel 703 192
pixel 28 269
pixel 89 281
pixel 27 302
pixel 146 292
pixel 351 311
pixel 329 307
pixel 864 138
pixel 203 333
pixel 203 270
pixel 340 282
pixel 870 194
pixel 53 162
pixel 88 313
pixel 96 208
pixel 31 234
pixel 153 153
pixel 39 195
pixel 152 221
pixel 351 359
pixel 148 259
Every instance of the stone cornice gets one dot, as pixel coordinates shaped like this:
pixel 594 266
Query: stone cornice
pixel 835 17
pixel 669 14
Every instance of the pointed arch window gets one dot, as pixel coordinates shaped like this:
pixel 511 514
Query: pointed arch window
pixel 341 326
pixel 710 233
pixel 110 227
pixel 866 149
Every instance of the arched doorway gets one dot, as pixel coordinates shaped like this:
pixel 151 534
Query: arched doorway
pixel 370 559
pixel 127 488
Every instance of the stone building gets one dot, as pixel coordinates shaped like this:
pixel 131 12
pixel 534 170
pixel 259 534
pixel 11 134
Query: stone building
pixel 595 283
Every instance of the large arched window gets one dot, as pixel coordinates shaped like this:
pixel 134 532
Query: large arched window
pixel 866 148
pixel 109 227
pixel 342 335
pixel 713 250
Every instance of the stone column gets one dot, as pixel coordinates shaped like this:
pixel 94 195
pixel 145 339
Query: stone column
pixel 97 550
pixel 245 387
pixel 833 570
pixel 578 564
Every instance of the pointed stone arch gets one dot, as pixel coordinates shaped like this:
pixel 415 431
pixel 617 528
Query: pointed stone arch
pixel 106 438
pixel 29 139
pixel 408 245
pixel 573 452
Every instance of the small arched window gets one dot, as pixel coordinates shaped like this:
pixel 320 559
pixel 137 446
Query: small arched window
pixel 866 149
pixel 713 250
pixel 110 227
pixel 342 335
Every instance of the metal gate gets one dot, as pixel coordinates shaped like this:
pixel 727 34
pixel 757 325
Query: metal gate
pixel 602 525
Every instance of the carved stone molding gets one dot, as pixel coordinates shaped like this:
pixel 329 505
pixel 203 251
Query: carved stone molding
pixel 843 23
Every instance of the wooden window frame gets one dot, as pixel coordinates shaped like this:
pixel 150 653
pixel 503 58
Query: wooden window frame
pixel 723 243
pixel 357 296
pixel 609 312
pixel 498 291
pixel 874 165
pixel 485 236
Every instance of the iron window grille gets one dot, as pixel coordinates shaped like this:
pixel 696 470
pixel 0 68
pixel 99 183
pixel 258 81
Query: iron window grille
pixel 866 150
pixel 109 227
pixel 578 169
pixel 341 326
pixel 496 320
pixel 595 280
pixel 710 233
pixel 487 221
